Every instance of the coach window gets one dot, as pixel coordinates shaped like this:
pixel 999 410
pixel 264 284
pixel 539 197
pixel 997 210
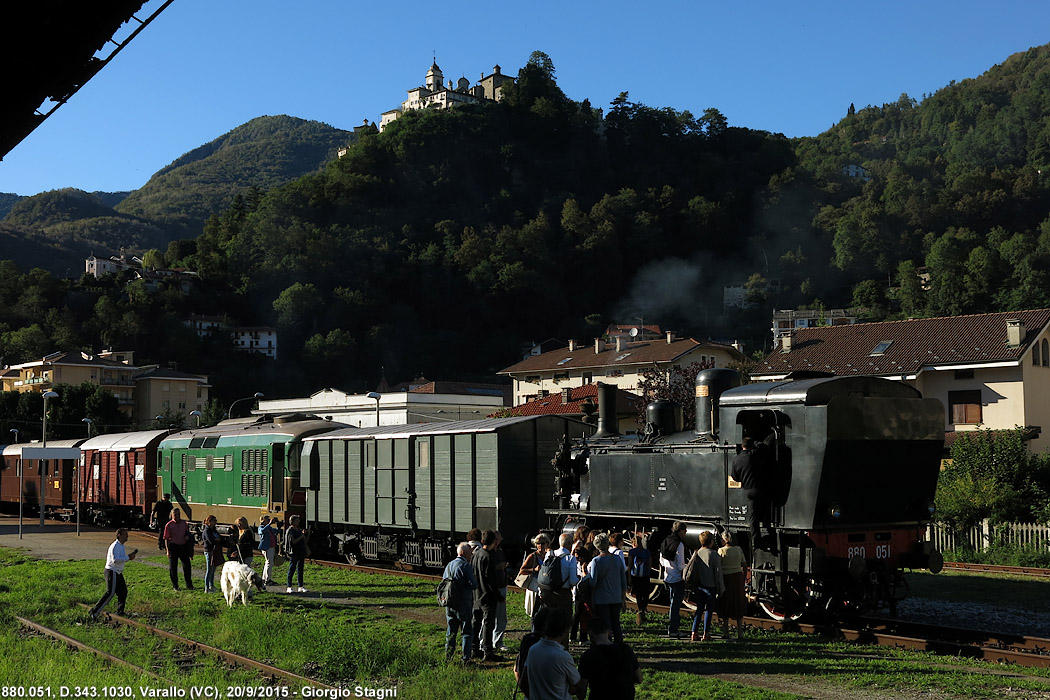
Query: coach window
pixel 964 407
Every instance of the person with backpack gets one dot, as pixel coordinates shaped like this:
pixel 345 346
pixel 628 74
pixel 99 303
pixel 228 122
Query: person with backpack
pixel 638 570
pixel 530 568
pixel 459 610
pixel 268 547
pixel 609 587
pixel 558 576
pixel 672 559
pixel 487 595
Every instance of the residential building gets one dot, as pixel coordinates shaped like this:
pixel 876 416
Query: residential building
pixel 390 408
pixel 142 392
pixel 989 370
pixel 620 362
pixel 257 339
pixel 97 267
pixel 789 320
pixel 581 402
pixel 434 94
pixel 160 391
pixel 857 171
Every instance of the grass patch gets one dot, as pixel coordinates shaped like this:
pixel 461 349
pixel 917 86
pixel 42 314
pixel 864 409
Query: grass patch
pixel 391 635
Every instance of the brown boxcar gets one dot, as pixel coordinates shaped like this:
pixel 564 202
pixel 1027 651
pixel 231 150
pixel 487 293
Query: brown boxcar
pixel 120 477
pixel 59 493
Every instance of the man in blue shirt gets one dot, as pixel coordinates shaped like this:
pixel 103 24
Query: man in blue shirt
pixel 460 611
pixel 116 557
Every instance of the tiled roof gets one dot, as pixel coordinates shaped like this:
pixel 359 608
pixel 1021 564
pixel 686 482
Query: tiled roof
pixel 916 343
pixel 626 402
pixel 636 353
pixel 168 373
pixel 76 358
pixel 462 388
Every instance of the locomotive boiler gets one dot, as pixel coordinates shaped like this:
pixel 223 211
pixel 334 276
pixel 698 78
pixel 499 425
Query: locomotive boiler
pixel 852 465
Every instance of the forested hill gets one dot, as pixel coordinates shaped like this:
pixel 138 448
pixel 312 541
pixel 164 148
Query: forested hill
pixel 175 203
pixel 958 184
pixel 263 153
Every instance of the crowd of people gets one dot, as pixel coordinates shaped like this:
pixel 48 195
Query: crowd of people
pixel 575 590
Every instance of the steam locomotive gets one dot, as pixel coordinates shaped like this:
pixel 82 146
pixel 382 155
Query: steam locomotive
pixel 854 465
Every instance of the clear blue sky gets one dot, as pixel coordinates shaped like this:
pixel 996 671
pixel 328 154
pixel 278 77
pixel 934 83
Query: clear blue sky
pixel 206 66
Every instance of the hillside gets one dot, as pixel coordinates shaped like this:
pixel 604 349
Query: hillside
pixel 175 203
pixel 263 153
pixel 956 183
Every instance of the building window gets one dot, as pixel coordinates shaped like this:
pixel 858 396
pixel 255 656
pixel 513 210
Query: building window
pixel 1035 354
pixel 1046 353
pixel 588 377
pixel 964 407
pixel 964 374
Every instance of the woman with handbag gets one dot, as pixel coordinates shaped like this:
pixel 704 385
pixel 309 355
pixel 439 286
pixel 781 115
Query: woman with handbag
pixel 213 558
pixel 526 579
pixel 704 574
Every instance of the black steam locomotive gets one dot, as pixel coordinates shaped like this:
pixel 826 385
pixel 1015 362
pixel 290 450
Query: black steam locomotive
pixel 853 465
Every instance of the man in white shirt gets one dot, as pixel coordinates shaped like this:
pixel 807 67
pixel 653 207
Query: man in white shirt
pixel 116 557
pixel 561 597
pixel 673 569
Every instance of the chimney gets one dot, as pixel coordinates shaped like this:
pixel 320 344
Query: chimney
pixel 785 342
pixel 670 337
pixel 599 345
pixel 572 346
pixel 566 396
pixel 619 344
pixel 1015 333
pixel 607 422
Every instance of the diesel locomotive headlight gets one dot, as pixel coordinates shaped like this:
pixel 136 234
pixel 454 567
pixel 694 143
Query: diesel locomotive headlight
pixel 835 512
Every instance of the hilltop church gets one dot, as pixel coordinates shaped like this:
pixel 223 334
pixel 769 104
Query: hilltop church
pixel 434 94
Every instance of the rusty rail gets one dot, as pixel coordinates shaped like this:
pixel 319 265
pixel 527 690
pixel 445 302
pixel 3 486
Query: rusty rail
pixel 272 673
pixel 55 634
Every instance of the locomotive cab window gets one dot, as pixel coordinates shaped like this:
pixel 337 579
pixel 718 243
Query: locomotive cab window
pixel 763 426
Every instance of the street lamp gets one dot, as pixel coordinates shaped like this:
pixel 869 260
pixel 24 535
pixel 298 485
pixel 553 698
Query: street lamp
pixel 88 421
pixel 42 462
pixel 198 415
pixel 20 490
pixel 375 395
pixel 257 395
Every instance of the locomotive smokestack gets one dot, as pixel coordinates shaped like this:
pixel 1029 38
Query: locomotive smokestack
pixel 710 384
pixel 606 410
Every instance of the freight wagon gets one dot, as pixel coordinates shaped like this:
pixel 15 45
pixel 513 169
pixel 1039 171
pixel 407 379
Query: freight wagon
pixel 120 477
pixel 407 493
pixel 59 492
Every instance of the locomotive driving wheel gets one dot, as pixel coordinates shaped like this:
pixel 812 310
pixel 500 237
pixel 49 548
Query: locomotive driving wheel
pixel 780 597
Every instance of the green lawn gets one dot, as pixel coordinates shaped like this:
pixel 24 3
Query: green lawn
pixel 391 635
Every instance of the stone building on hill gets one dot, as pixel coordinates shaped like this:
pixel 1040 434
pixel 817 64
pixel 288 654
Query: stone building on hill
pixel 435 94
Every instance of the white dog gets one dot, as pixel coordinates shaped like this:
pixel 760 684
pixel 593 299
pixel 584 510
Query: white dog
pixel 237 580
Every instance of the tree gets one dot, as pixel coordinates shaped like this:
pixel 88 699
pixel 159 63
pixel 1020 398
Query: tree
pixel 674 384
pixel 992 475
pixel 297 305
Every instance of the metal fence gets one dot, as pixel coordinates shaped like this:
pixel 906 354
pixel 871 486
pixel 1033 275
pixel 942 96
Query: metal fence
pixel 984 535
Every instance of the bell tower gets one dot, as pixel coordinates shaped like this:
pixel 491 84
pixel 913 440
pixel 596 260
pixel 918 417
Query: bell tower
pixel 435 78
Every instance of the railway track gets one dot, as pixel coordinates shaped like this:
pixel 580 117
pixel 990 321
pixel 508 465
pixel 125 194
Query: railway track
pixel 1032 652
pixel 272 675
pixel 998 569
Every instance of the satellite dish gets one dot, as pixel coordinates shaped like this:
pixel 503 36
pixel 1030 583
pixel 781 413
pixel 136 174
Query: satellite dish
pixel 634 332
